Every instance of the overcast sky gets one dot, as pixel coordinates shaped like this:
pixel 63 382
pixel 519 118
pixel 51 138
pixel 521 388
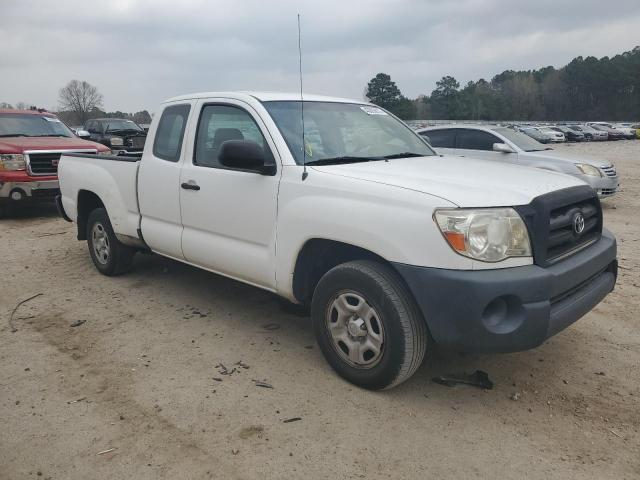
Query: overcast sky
pixel 139 52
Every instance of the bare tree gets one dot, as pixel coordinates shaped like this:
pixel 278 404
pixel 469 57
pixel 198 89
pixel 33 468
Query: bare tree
pixel 21 106
pixel 80 97
pixel 5 105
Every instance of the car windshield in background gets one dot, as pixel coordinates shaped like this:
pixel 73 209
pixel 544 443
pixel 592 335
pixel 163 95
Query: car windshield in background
pixel 521 140
pixel 344 132
pixel 117 125
pixel 30 125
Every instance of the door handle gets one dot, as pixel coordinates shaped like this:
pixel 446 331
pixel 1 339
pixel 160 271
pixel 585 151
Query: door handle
pixel 190 186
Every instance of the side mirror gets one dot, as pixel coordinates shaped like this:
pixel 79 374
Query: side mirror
pixel 502 147
pixel 246 155
pixel 82 133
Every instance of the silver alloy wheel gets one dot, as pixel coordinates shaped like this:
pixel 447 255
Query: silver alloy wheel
pixel 356 330
pixel 100 243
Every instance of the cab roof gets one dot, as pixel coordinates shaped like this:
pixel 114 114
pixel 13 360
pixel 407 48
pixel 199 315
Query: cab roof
pixel 265 97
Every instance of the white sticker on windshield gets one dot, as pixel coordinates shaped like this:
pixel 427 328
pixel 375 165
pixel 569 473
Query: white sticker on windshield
pixel 373 110
pixel 51 119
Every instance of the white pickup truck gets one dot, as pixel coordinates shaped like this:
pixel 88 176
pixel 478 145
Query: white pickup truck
pixel 393 247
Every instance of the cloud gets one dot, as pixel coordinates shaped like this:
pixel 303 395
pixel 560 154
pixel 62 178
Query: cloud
pixel 139 52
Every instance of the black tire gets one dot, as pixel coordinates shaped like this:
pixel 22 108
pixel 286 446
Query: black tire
pixel 117 258
pixel 404 330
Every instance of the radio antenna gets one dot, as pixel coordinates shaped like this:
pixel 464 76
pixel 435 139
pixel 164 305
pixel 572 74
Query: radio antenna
pixel 304 143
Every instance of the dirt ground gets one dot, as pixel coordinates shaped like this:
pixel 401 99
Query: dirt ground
pixel 140 391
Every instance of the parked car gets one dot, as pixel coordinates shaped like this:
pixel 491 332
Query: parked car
pixel 119 134
pixel 570 135
pixel 537 134
pixel 612 133
pixel 556 136
pixel 590 134
pixel 390 245
pixel 636 127
pixel 506 146
pixel 31 143
pixel 627 129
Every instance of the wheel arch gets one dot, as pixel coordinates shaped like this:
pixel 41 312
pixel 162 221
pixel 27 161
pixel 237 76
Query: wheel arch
pixel 87 202
pixel 319 255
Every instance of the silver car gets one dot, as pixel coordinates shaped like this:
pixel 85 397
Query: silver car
pixel 503 144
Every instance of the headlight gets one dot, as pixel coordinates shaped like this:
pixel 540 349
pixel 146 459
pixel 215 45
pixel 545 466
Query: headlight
pixel 12 162
pixel 589 170
pixel 488 235
pixel 116 142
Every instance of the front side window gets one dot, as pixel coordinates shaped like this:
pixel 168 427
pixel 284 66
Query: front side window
pixel 441 138
pixel 220 123
pixel 335 130
pixel 32 125
pixel 168 142
pixel 520 140
pixel 476 140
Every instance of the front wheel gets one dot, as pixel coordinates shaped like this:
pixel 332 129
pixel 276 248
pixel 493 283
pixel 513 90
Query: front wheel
pixel 109 256
pixel 368 325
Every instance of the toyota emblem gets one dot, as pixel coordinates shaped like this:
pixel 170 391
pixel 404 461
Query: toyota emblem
pixel 578 223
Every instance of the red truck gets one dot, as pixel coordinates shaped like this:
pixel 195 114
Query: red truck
pixel 31 142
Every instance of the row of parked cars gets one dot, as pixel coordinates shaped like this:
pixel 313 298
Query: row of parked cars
pixel 572 132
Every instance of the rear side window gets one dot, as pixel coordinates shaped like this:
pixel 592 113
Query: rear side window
pixel 221 123
pixel 440 138
pixel 170 132
pixel 476 140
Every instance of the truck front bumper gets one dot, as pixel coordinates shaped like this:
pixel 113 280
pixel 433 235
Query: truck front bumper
pixel 512 309
pixel 35 191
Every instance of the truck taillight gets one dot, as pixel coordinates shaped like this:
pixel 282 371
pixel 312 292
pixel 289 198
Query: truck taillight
pixel 12 162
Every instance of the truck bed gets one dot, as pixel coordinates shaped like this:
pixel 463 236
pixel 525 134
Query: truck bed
pixel 113 178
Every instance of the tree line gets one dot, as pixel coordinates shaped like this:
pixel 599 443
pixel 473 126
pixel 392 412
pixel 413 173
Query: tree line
pixel 79 101
pixel 584 89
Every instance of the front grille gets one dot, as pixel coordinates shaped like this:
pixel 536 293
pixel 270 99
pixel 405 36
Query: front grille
pixel 563 237
pixel 609 170
pixel 550 220
pixel 137 142
pixel 46 163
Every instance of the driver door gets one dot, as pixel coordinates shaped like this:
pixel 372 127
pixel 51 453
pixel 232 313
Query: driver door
pixel 229 215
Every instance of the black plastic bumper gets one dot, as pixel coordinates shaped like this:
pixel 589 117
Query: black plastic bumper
pixel 512 309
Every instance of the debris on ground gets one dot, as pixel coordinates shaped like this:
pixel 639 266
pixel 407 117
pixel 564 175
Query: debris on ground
pixel 241 364
pixel 294 419
pixel 105 451
pixel 235 451
pixel 77 323
pixel 478 379
pixel 222 370
pixel 515 396
pixel 11 326
pixel 260 383
pixel 77 400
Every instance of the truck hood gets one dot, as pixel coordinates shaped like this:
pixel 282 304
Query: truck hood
pixel 465 182
pixel 556 156
pixel 22 144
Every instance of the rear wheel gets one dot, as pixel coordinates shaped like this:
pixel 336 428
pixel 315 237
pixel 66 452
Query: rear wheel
pixel 110 256
pixel 368 325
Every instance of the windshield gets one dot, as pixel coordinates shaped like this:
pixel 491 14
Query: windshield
pixel 520 140
pixel 114 125
pixel 345 131
pixel 30 125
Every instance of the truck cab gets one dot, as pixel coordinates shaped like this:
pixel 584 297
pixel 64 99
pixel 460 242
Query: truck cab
pixel 31 143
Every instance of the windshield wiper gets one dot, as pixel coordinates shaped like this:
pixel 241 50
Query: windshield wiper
pixel 14 135
pixel 402 155
pixel 344 159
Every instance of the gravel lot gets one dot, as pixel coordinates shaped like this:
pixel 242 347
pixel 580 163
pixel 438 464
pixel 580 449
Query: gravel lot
pixel 142 379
